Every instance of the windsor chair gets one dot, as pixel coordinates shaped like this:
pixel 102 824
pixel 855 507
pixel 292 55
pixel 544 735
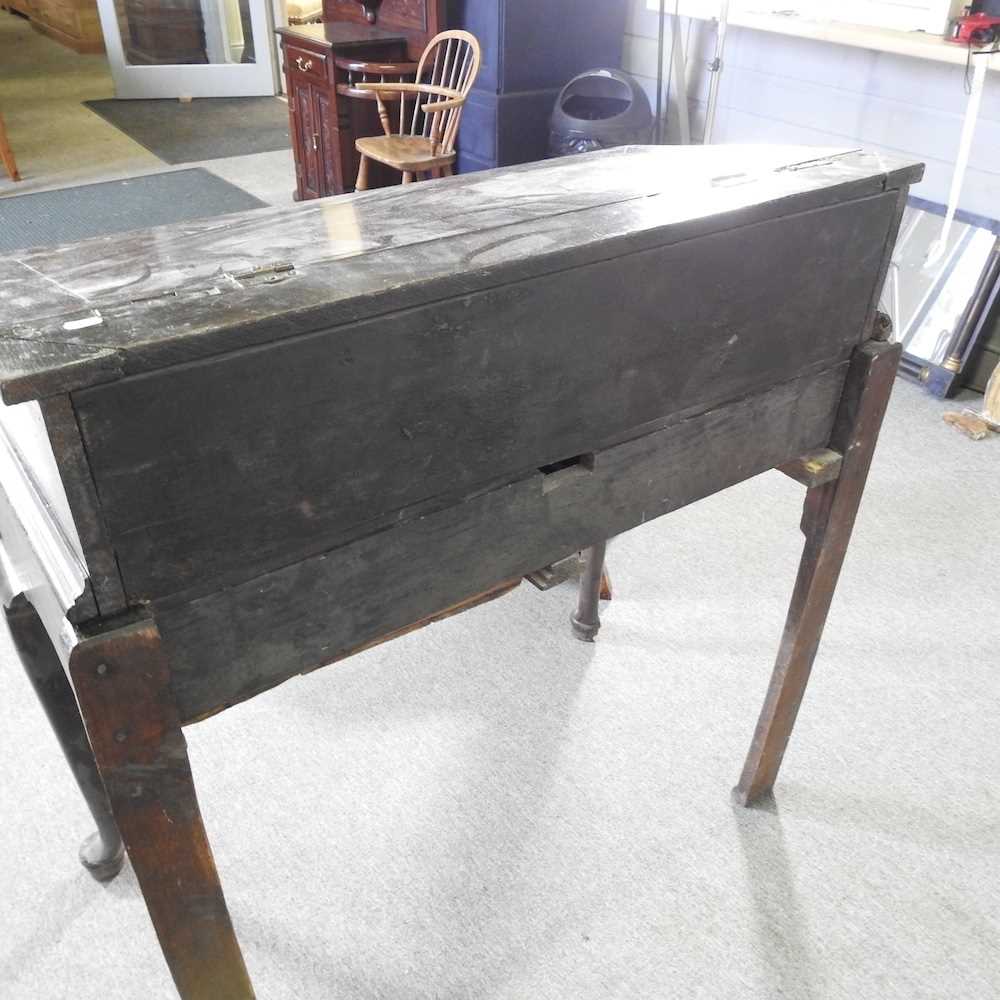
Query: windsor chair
pixel 425 143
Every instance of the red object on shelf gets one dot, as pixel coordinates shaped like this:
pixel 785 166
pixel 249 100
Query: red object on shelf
pixel 975 29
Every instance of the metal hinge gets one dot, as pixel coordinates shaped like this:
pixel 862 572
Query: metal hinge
pixel 265 273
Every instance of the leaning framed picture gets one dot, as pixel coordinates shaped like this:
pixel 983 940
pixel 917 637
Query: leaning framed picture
pixel 942 285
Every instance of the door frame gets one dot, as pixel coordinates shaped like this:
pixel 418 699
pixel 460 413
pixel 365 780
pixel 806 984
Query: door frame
pixel 198 80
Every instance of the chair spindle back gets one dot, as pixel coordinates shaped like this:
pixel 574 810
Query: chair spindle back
pixel 452 60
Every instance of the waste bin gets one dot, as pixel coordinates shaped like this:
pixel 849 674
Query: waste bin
pixel 599 109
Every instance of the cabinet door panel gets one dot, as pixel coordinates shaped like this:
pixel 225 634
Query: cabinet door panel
pixel 330 174
pixel 305 112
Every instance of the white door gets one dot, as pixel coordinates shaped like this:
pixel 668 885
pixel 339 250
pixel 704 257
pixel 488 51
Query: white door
pixel 189 48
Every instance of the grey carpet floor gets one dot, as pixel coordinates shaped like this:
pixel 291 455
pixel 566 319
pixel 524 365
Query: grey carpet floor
pixel 68 215
pixel 489 809
pixel 201 129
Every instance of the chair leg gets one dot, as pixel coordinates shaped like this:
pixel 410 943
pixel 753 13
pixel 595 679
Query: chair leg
pixel 407 176
pixel 102 853
pixel 122 681
pixel 362 182
pixel 585 619
pixel 7 154
pixel 827 522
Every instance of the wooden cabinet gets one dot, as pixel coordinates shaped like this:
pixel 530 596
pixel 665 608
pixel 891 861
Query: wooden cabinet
pixel 325 123
pixel 74 23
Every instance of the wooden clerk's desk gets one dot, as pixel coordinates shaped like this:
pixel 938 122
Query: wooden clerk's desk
pixel 237 450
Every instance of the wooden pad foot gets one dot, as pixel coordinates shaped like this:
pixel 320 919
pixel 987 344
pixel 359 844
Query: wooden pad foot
pixel 103 861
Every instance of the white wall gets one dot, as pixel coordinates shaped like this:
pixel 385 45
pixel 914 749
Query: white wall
pixel 777 88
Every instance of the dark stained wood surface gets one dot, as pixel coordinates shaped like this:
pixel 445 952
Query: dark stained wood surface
pixel 172 294
pixel 230 645
pixel 102 853
pixel 122 681
pixel 827 522
pixel 451 396
pixel 86 516
pixel 335 35
pixel 816 468
pixel 303 432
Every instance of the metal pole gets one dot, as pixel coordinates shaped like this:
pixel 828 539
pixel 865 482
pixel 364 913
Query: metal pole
pixel 659 73
pixel 715 68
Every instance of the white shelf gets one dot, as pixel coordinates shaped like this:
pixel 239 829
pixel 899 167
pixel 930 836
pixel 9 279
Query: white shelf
pixel 916 44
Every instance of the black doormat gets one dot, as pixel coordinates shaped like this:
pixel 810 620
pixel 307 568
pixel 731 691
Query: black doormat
pixel 77 213
pixel 207 128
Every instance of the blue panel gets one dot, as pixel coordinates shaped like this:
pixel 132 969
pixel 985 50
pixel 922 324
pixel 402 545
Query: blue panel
pixel 501 130
pixel 477 136
pixel 483 20
pixel 531 48
pixel 546 44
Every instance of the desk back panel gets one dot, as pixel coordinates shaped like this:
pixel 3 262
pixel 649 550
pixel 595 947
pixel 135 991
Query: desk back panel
pixel 215 469
pixel 232 644
pixel 259 419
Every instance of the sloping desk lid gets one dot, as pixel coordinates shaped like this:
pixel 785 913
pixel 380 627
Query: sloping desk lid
pixel 76 316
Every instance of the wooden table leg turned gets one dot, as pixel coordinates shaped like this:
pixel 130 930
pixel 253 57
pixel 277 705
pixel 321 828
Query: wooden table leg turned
pixel 586 619
pixel 7 154
pixel 122 682
pixel 827 522
pixel 102 853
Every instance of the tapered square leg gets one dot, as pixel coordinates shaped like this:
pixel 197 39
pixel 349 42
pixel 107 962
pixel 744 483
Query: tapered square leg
pixel 827 522
pixel 122 682
pixel 102 853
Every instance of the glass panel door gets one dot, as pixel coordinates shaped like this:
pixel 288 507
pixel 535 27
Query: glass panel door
pixel 189 48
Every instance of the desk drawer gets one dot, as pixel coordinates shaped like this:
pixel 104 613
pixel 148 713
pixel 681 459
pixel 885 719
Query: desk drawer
pixel 306 64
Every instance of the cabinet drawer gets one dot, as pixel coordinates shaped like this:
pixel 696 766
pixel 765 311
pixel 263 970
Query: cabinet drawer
pixel 306 64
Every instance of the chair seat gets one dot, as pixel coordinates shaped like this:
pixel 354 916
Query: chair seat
pixel 404 152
